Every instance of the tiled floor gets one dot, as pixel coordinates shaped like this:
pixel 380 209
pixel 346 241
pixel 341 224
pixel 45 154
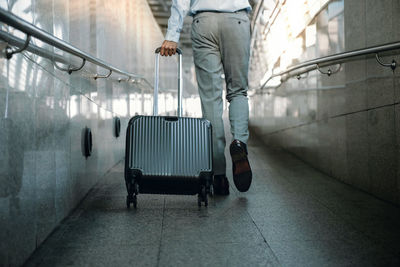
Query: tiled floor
pixel 293 215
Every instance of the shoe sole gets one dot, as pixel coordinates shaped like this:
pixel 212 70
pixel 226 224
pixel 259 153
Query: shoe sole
pixel 242 175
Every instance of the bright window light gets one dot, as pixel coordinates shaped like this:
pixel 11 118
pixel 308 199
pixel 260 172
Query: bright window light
pixel 311 35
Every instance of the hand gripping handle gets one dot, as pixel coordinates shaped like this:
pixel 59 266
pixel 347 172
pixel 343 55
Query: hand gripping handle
pixel 178 50
pixel 156 81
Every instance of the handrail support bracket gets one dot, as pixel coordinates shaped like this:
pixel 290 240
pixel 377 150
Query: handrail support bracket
pixel 70 69
pixel 392 65
pixel 10 52
pixel 329 72
pixel 102 76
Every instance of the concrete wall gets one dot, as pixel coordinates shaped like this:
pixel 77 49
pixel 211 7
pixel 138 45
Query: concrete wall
pixel 346 125
pixel 43 111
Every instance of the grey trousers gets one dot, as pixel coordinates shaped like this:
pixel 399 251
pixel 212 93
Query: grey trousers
pixel 221 44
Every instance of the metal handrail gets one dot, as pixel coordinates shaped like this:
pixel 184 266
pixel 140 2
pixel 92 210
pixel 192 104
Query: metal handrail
pixel 31 30
pixel 18 42
pixel 339 58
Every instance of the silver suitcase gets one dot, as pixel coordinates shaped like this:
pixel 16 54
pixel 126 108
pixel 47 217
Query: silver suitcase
pixel 167 154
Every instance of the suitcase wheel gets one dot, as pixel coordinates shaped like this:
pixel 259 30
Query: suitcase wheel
pixel 133 190
pixel 202 197
pixel 211 191
pixel 132 199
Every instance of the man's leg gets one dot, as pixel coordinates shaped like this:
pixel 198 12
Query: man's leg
pixel 208 65
pixel 235 50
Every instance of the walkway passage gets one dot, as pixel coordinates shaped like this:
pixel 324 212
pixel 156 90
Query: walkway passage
pixel 292 216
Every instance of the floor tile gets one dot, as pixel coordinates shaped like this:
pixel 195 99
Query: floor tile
pixel 292 215
pixel 216 254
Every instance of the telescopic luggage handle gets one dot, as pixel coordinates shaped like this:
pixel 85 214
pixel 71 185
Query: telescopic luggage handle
pixel 156 81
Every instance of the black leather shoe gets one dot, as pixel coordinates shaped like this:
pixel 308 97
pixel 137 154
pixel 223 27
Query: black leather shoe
pixel 242 174
pixel 221 185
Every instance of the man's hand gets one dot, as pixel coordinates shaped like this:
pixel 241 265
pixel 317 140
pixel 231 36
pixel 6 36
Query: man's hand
pixel 168 48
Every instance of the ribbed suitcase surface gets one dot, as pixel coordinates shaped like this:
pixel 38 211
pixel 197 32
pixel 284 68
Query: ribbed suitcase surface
pixel 169 146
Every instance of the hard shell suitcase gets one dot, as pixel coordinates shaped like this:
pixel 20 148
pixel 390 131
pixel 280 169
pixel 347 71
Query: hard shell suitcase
pixel 166 154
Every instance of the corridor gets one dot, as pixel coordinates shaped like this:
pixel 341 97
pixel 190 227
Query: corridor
pixel 293 215
pixel 322 82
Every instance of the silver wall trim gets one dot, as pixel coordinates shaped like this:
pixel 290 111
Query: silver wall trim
pixel 314 64
pixel 28 28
